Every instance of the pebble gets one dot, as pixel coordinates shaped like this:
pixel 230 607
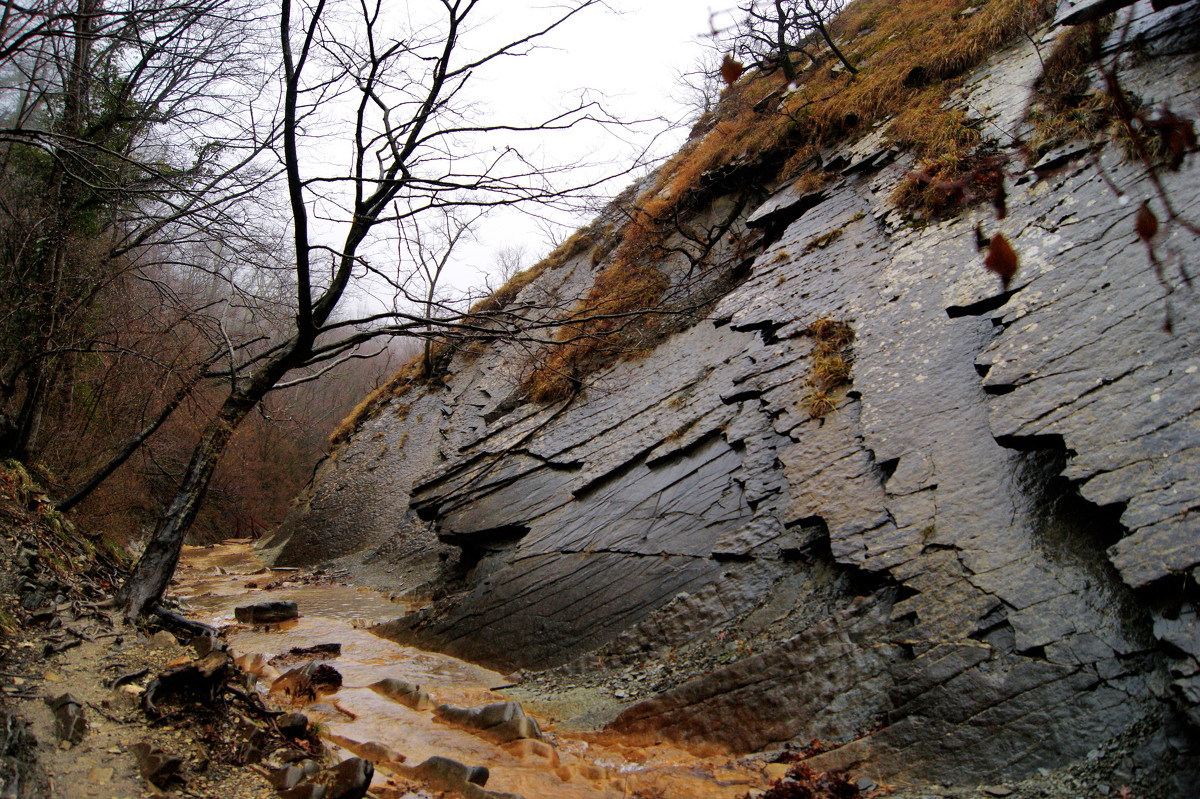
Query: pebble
pixel 100 774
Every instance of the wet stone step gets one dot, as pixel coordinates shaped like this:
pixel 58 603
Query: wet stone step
pixel 266 612
pixel 503 721
pixel 403 692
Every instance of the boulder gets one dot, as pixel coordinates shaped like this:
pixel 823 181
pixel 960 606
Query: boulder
pixel 158 767
pixel 349 779
pixel 448 774
pixel 69 722
pixel 308 682
pixel 292 725
pixel 501 721
pixel 403 692
pixel 266 612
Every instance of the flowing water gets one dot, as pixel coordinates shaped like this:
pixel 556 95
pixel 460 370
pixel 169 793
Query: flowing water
pixel 212 581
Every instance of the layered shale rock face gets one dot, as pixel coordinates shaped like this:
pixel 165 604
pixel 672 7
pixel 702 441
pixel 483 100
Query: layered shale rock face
pixel 980 562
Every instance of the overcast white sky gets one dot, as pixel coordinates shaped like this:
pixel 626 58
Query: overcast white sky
pixel 629 55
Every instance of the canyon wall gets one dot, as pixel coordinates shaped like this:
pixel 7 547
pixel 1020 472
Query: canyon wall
pixel 981 561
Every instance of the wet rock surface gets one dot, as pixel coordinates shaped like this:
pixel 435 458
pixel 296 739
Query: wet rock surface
pixel 502 721
pixel 403 692
pixel 267 612
pixel 980 565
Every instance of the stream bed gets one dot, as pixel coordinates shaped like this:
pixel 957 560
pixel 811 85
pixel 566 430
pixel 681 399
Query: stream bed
pixel 566 764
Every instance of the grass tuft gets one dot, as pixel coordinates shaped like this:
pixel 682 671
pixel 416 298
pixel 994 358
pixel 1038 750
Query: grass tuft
pixel 817 402
pixel 831 364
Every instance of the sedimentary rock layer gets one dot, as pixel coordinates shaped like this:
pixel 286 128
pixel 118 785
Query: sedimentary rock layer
pixel 996 528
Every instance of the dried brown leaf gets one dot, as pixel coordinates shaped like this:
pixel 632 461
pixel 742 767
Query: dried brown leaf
pixel 1146 223
pixel 1001 259
pixel 731 70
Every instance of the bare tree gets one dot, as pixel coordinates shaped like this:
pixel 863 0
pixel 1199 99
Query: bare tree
pixel 428 251
pixel 414 151
pixel 508 260
pixel 700 87
pixel 123 129
pixel 768 33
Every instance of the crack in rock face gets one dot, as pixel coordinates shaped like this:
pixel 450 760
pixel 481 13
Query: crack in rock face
pixel 980 563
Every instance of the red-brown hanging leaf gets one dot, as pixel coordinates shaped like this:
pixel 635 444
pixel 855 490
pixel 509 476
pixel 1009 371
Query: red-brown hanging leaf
pixel 1146 223
pixel 1001 259
pixel 731 69
pixel 987 181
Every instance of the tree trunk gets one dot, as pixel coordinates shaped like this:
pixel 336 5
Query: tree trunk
pixel 153 571
pixel 829 41
pixel 781 37
pixel 145 587
pixel 29 418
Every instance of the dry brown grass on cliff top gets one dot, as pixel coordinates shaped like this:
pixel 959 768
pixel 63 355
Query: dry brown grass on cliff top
pixel 414 370
pixel 604 325
pixel 394 386
pixel 909 54
pixel 579 241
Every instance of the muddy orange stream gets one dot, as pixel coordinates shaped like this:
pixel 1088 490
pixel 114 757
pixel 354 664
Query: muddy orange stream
pixel 213 580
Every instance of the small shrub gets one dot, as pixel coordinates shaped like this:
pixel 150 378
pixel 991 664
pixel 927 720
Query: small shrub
pixel 608 323
pixel 938 190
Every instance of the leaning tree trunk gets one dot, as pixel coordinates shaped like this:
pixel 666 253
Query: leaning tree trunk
pixel 781 38
pixel 29 417
pixel 829 41
pixel 145 587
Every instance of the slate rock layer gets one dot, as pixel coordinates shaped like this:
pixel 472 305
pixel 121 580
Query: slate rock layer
pixel 981 563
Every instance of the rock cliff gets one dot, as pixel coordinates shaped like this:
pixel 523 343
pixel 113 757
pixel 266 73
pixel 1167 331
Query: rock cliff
pixel 980 561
